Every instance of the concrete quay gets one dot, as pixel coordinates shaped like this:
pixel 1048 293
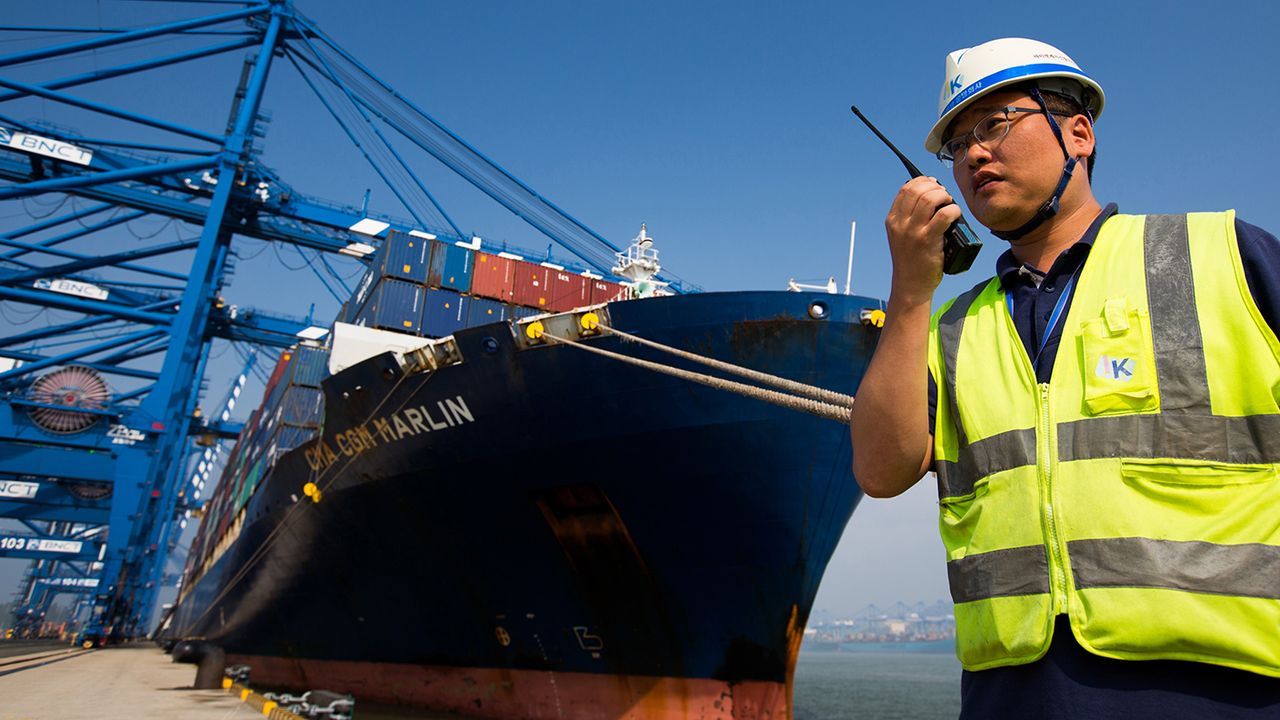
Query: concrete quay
pixel 131 682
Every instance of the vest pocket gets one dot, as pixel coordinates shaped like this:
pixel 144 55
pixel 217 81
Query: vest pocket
pixel 1193 500
pixel 1195 473
pixel 961 518
pixel 1118 363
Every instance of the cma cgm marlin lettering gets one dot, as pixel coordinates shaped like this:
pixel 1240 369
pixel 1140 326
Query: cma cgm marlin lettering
pixel 388 429
pixel 502 515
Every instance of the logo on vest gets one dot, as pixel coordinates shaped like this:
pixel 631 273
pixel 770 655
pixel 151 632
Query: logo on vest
pixel 1119 369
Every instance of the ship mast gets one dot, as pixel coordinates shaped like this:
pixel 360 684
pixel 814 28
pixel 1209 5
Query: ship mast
pixel 639 263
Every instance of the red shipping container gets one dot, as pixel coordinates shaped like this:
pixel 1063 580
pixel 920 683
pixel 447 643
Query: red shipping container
pixel 531 285
pixel 603 291
pixel 569 290
pixel 493 277
pixel 281 364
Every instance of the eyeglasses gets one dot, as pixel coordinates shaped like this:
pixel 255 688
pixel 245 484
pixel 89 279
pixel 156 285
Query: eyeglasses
pixel 989 129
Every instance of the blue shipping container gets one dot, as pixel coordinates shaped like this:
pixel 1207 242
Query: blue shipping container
pixel 393 305
pixel 481 311
pixel 446 313
pixel 310 365
pixel 289 437
pixel 403 256
pixel 451 266
pixel 301 406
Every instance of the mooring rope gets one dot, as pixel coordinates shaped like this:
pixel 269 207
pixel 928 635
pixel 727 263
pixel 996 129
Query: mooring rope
pixel 816 393
pixel 826 410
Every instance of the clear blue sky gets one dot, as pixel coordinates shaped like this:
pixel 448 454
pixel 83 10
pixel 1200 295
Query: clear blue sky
pixel 725 127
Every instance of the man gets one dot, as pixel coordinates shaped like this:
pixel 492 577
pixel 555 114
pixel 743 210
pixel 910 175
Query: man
pixel 1102 417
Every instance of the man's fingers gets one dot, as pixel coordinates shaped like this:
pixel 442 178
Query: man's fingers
pixel 930 203
pixel 918 200
pixel 943 218
pixel 904 202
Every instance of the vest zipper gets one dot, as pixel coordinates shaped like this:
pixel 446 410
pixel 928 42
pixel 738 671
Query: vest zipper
pixel 1046 452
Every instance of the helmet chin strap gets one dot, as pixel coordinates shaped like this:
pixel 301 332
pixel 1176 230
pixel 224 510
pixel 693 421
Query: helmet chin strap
pixel 1050 208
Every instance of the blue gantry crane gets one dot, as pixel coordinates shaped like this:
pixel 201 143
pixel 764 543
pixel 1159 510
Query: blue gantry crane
pixel 99 401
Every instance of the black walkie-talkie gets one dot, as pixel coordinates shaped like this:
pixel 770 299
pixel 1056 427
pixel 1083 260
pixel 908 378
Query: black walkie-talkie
pixel 960 245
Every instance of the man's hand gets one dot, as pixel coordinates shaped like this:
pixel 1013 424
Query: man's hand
pixel 921 213
pixel 892 440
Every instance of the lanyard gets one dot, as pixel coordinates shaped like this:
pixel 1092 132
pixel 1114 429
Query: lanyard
pixel 1054 318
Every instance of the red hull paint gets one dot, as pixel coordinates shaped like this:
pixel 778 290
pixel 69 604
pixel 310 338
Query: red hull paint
pixel 528 694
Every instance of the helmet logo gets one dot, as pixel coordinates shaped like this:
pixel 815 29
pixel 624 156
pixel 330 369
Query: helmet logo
pixel 955 85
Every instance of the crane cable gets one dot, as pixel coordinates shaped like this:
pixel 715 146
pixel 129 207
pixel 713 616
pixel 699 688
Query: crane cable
pixel 815 401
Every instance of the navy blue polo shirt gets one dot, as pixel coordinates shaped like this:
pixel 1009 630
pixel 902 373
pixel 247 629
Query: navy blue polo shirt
pixel 1070 682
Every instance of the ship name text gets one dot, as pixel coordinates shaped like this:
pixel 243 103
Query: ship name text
pixel 387 429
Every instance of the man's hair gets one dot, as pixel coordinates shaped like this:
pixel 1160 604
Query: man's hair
pixel 1066 105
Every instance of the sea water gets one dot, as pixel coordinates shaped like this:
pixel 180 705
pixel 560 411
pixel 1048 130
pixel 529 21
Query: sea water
pixel 877 686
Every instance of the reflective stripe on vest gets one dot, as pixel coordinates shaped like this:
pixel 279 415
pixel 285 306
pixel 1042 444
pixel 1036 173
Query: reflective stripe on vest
pixel 999 573
pixel 1171 300
pixel 1237 440
pixel 1250 570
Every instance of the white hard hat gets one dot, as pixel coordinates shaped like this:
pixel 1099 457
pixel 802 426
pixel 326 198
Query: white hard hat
pixel 976 71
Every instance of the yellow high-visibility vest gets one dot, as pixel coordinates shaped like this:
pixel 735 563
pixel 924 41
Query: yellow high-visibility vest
pixel 1137 491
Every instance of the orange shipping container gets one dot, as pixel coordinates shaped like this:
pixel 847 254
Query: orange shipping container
pixel 493 277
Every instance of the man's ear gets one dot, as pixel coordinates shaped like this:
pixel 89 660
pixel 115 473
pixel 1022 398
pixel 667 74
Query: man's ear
pixel 1077 134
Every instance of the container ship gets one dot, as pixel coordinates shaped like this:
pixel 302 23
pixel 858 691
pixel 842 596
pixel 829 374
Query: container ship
pixel 441 507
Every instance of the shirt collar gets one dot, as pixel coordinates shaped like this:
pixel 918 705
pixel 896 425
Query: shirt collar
pixel 1008 267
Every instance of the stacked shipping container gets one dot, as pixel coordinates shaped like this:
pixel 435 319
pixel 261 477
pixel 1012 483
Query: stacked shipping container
pixel 423 286
pixel 291 414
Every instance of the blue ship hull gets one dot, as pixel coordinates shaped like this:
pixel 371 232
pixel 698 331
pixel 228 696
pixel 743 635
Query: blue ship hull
pixel 542 532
